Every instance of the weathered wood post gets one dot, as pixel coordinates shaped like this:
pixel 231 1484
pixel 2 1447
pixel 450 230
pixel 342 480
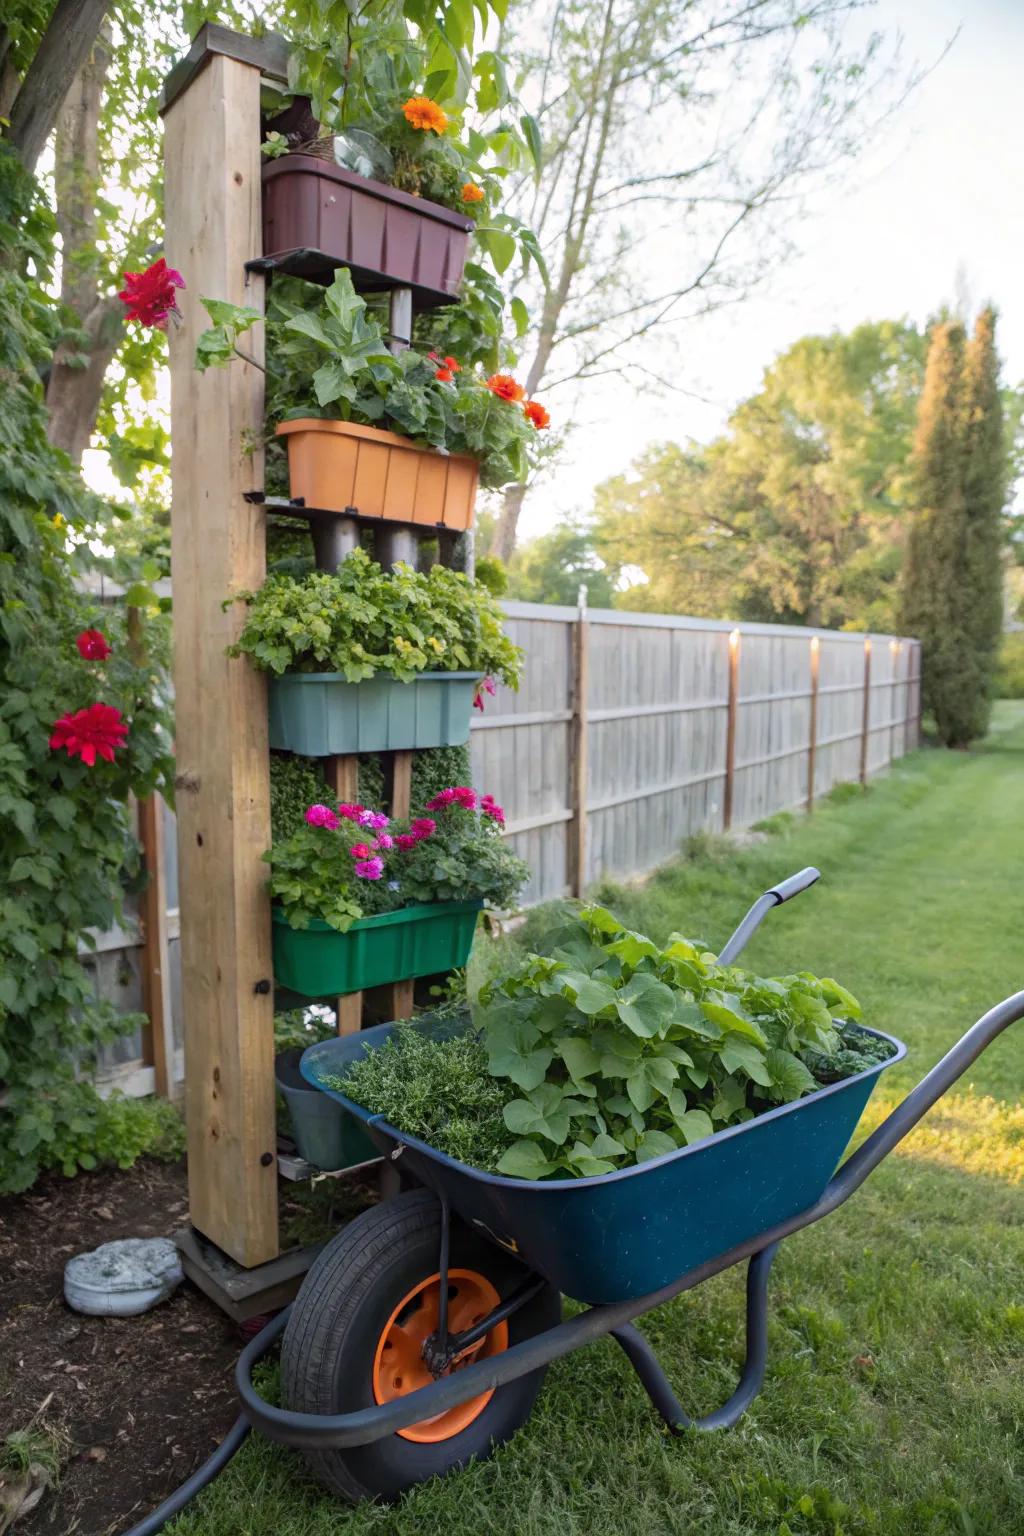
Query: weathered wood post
pixel 732 703
pixel 580 632
pixel 218 547
pixel 865 722
pixel 812 743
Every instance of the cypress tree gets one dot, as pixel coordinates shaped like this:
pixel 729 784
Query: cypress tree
pixel 985 484
pixel 939 603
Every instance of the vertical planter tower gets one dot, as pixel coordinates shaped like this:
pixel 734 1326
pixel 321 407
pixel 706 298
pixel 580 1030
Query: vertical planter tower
pixel 222 206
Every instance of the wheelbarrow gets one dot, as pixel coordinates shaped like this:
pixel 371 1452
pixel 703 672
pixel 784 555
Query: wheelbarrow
pixel 422 1333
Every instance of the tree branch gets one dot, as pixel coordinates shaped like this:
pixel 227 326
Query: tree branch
pixel 65 47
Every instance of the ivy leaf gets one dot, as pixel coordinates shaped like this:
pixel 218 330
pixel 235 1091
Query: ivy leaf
pixel 525 1160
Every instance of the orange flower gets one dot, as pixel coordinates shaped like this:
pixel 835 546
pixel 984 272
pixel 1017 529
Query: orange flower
pixel 471 193
pixel 536 414
pixel 505 387
pixel 453 364
pixel 445 375
pixel 423 113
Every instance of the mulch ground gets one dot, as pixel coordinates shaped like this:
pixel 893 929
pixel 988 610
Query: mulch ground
pixel 144 1399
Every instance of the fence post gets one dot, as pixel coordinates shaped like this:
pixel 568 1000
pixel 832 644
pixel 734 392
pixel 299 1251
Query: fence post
pixel 866 713
pixel 730 728
pixel 812 745
pixel 578 746
pixel 919 698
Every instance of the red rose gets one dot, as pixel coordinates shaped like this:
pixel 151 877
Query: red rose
pixel 97 729
pixel 149 296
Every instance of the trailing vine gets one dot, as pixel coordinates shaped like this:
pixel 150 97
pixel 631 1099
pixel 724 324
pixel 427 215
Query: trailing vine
pixel 83 724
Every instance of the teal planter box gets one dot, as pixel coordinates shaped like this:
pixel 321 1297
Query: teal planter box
pixel 329 1138
pixel 319 714
pixel 318 961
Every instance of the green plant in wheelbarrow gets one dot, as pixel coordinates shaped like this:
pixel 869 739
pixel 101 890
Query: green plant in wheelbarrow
pixel 610 1051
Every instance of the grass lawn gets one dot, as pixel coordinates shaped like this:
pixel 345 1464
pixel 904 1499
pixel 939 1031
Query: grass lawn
pixel 894 1403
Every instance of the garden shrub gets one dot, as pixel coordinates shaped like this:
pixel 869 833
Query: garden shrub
pixel 1009 677
pixel 67 851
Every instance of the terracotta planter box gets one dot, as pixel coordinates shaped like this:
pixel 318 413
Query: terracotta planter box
pixel 338 466
pixel 317 216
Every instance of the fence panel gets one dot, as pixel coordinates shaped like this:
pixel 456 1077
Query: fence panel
pixel 655 723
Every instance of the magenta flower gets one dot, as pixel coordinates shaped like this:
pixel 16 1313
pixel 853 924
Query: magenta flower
pixel 441 799
pixel 384 841
pixel 375 820
pixel 370 869
pixel 361 851
pixel 405 841
pixel 322 816
pixel 465 797
pixel 491 808
pixel 422 827
pixel 351 812
pixel 486 685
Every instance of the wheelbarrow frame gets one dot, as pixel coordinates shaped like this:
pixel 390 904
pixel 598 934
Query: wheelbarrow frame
pixel 312 1432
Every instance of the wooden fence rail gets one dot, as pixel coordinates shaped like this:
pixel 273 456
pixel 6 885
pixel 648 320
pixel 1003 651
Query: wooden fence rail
pixel 630 732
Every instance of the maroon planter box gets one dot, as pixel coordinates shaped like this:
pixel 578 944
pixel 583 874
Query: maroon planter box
pixel 317 217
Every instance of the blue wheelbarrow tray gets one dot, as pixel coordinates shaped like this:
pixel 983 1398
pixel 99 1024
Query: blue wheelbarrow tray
pixel 625 1234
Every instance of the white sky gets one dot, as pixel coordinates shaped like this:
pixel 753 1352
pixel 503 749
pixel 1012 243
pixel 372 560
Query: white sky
pixel 941 195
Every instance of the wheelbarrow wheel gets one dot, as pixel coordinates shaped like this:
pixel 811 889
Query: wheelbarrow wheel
pixel 354 1337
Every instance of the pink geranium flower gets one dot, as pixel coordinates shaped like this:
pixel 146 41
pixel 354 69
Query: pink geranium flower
pixel 361 850
pixel 422 827
pixel 405 841
pixel 370 869
pixel 351 812
pixel 486 685
pixel 322 816
pixel 491 808
pixel 375 820
pixel 384 841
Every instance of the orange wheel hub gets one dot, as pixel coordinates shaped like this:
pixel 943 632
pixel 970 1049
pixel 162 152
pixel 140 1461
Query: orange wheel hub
pixel 399 1367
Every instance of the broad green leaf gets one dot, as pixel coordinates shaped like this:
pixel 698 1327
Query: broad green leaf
pixel 604 1145
pixel 738 1054
pixel 238 316
pixel 526 1069
pixel 524 1160
pixel 579 1056
pixel 695 1125
pixel 593 996
pixel 654 1144
pixel 639 1089
pixel 789 1077
pixel 725 1010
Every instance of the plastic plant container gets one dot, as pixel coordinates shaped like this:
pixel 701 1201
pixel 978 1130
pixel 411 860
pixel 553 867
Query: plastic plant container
pixel 321 714
pixel 340 466
pixel 318 961
pixel 325 1134
pixel 317 216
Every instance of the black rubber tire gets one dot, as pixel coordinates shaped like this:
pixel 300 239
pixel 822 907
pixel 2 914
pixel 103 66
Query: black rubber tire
pixel 338 1317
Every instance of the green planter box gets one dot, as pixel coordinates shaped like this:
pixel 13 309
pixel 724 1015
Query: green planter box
pixel 321 715
pixel 318 961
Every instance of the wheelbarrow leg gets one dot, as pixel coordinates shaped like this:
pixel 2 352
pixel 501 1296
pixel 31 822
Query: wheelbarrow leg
pixel 648 1367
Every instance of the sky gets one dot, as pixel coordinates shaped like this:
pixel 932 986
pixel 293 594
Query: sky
pixel 932 210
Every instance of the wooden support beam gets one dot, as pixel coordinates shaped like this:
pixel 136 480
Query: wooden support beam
pixel 349 1013
pixel 218 547
pixel 865 722
pixel 580 640
pixel 812 734
pixel 400 1005
pixel 156 974
pixel 343 777
pixel 730 728
pixel 401 785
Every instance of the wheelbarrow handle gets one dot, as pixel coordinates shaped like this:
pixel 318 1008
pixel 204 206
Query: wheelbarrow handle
pixel 774 897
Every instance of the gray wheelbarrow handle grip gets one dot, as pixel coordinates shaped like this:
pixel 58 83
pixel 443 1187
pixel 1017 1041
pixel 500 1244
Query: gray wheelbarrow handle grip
pixel 774 897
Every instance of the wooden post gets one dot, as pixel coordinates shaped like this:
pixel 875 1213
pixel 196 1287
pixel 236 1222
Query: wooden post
pixel 894 651
pixel 218 547
pixel 730 728
pixel 865 723
pixel 156 976
pixel 812 745
pixel 578 747
pixel 920 692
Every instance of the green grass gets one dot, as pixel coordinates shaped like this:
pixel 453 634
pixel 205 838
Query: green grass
pixel 894 1404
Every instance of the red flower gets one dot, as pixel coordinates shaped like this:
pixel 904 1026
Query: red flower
pixel 491 808
pixel 423 826
pixel 505 387
pixel 444 375
pixel 454 364
pixel 405 841
pixel 536 415
pixel 92 645
pixel 149 296
pixel 361 850
pixel 97 729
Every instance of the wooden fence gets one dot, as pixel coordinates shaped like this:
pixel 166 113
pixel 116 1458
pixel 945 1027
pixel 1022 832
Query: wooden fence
pixel 630 732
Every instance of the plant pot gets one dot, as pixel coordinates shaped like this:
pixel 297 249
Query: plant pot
pixel 328 1141
pixel 341 467
pixel 317 217
pixel 318 961
pixel 320 714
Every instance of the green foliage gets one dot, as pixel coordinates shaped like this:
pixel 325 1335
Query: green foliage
pixel 464 858
pixel 66 844
pixel 793 515
pixel 624 1051
pixel 295 783
pixel 328 357
pixel 1009 677
pixel 553 567
pixel 952 593
pixel 364 620
pixel 433 770
pixel 436 1088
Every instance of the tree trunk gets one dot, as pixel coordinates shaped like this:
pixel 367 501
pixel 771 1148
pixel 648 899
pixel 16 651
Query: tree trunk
pixel 66 45
pixel 75 389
